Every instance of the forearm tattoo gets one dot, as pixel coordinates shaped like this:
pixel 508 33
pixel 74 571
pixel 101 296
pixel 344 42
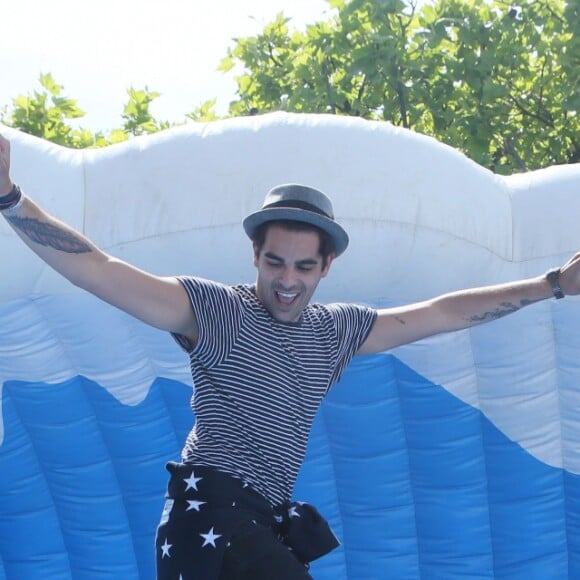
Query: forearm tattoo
pixel 502 310
pixel 50 235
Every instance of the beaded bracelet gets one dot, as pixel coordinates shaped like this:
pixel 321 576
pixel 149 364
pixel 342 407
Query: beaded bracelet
pixel 11 199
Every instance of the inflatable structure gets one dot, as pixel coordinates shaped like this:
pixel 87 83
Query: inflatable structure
pixel 456 457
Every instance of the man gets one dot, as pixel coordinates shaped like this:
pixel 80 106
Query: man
pixel 262 359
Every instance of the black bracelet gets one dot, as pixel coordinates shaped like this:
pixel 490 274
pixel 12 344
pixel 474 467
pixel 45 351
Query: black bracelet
pixel 11 199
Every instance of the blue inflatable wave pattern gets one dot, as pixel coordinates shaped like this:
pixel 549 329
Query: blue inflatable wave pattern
pixel 417 484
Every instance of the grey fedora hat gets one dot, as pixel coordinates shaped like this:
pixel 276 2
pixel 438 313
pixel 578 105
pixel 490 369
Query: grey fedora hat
pixel 299 203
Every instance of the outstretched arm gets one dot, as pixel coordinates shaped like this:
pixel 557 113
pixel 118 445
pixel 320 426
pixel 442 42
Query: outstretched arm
pixel 463 309
pixel 159 301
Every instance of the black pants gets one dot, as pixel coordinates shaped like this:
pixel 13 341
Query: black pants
pixel 214 527
pixel 255 553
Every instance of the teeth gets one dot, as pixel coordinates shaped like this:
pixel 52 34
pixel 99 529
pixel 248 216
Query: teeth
pixel 287 295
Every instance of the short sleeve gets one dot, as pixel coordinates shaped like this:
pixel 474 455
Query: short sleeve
pixel 352 324
pixel 218 310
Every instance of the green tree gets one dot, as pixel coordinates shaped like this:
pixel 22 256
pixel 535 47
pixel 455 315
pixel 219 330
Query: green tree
pixel 497 80
pixel 48 114
pixel 204 112
pixel 137 114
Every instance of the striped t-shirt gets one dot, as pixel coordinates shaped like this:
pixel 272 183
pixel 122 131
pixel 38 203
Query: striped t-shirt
pixel 259 381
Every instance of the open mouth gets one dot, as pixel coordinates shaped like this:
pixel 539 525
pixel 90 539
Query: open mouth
pixel 286 298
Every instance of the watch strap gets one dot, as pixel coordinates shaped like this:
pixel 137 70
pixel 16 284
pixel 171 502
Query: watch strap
pixel 553 277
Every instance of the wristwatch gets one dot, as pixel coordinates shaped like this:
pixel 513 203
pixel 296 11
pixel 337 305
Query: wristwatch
pixel 553 277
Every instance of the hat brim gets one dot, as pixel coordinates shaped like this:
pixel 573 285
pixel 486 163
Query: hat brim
pixel 334 230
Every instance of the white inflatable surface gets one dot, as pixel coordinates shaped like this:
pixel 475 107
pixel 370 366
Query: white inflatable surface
pixel 422 218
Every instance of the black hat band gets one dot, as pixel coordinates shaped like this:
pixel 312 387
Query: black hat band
pixel 297 204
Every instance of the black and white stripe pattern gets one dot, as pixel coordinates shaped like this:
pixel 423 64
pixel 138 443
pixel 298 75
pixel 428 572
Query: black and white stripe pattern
pixel 259 382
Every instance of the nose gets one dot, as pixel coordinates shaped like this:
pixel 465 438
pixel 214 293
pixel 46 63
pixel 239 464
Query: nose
pixel 287 278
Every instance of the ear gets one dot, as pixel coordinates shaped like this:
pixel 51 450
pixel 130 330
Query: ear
pixel 256 253
pixel 326 268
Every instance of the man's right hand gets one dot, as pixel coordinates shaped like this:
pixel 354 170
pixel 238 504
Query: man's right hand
pixel 5 182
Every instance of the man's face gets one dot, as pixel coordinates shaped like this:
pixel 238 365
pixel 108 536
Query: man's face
pixel 289 270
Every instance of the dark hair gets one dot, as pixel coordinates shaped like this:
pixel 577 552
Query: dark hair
pixel 326 245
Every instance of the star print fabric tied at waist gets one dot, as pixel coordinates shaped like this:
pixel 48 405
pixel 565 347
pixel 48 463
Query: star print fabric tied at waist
pixel 210 506
pixel 304 530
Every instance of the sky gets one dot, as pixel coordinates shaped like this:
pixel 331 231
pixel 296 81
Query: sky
pixel 97 49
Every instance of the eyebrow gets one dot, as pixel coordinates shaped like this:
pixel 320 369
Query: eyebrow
pixel 305 262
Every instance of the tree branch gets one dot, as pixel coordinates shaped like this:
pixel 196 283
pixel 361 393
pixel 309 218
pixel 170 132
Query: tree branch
pixel 400 89
pixel 272 57
pixel 510 151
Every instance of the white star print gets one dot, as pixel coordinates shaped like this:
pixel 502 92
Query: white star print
pixel 293 513
pixel 192 481
pixel 194 505
pixel 165 549
pixel 210 538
